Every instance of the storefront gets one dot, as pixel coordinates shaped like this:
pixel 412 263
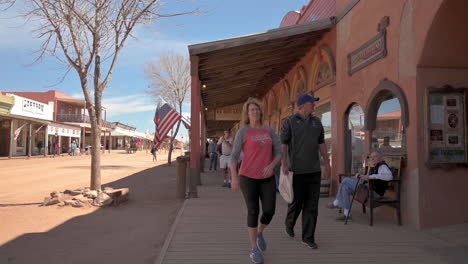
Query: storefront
pixel 402 68
pixel 392 76
pixel 6 103
pixel 21 136
pixel 64 135
pixel 23 129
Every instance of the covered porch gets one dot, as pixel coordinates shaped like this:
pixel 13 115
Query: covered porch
pixel 227 72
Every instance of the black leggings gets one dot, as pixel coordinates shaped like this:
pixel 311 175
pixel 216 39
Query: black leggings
pixel 252 190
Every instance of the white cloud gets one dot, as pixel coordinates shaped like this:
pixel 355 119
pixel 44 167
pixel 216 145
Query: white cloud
pixel 128 104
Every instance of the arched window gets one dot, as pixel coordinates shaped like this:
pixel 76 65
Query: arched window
pixel 355 139
pixel 388 132
pixel 265 107
pixel 387 113
pixel 272 104
pixel 285 98
pixel 301 88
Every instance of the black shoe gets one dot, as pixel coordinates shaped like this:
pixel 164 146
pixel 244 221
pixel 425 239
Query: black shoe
pixel 224 185
pixel 289 232
pixel 311 245
pixel 343 218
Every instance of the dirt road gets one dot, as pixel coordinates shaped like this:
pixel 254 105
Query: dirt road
pixel 130 233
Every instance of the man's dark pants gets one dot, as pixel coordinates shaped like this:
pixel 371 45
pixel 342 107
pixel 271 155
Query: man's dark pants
pixel 306 189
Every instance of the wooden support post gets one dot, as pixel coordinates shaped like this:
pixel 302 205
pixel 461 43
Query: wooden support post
pixel 181 183
pixel 10 154
pixel 29 140
pixel 195 143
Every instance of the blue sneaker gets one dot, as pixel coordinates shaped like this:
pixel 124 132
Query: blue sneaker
pixel 256 256
pixel 261 243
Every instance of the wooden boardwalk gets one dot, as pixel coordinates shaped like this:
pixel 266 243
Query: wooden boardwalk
pixel 211 229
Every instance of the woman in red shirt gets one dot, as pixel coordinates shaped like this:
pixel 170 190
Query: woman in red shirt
pixel 262 152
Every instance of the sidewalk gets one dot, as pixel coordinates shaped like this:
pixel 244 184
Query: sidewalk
pixel 211 229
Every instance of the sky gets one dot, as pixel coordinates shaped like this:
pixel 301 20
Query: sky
pixel 125 98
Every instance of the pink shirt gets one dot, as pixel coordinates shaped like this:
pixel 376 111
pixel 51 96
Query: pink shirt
pixel 259 145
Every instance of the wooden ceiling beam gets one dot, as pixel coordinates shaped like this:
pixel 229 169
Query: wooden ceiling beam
pixel 253 64
pixel 260 50
pixel 251 79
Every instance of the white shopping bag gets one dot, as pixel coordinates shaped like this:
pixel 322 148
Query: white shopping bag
pixel 286 186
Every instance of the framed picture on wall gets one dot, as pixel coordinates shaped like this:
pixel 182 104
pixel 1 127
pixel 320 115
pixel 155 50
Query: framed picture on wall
pixel 447 126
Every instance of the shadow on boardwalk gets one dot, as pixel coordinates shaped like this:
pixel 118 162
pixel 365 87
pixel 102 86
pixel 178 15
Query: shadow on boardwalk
pixel 131 233
pixel 211 229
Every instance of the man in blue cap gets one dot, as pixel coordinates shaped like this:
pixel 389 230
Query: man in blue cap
pixel 302 137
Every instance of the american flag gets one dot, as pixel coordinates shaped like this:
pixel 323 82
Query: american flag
pixel 18 131
pixel 164 119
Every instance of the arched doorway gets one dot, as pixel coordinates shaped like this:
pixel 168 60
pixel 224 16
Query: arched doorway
pixel 354 139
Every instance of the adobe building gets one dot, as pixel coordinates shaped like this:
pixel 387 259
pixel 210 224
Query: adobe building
pixel 391 76
pixel 23 126
pixel 70 116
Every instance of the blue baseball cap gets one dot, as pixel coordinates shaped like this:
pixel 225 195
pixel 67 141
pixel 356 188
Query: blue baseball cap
pixel 306 98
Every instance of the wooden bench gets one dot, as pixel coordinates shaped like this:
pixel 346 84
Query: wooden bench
pixel 392 195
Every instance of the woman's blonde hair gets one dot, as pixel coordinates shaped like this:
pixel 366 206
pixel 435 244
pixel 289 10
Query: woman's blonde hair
pixel 245 111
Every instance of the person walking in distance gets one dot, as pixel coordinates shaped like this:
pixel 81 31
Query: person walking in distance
pixel 212 154
pixel 262 152
pixel 225 159
pixel 302 137
pixel 56 148
pixel 153 152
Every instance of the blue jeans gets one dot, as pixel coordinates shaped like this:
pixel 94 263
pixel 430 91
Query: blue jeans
pixel 347 188
pixel 213 160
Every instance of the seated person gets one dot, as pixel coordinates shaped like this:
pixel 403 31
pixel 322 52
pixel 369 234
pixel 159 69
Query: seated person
pixel 386 143
pixel 379 171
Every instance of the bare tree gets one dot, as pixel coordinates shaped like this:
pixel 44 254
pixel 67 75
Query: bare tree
pixel 170 80
pixel 89 35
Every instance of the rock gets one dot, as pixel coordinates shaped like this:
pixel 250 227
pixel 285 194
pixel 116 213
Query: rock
pixel 46 200
pixel 80 198
pixel 76 192
pixel 66 192
pixel 74 203
pixel 54 194
pixel 51 201
pixel 77 203
pixel 91 194
pixel 61 204
pixel 102 199
pixel 119 195
pixel 69 202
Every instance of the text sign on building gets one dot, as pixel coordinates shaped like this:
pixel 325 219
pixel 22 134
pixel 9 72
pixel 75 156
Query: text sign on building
pixel 33 107
pixel 372 50
pixel 66 131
